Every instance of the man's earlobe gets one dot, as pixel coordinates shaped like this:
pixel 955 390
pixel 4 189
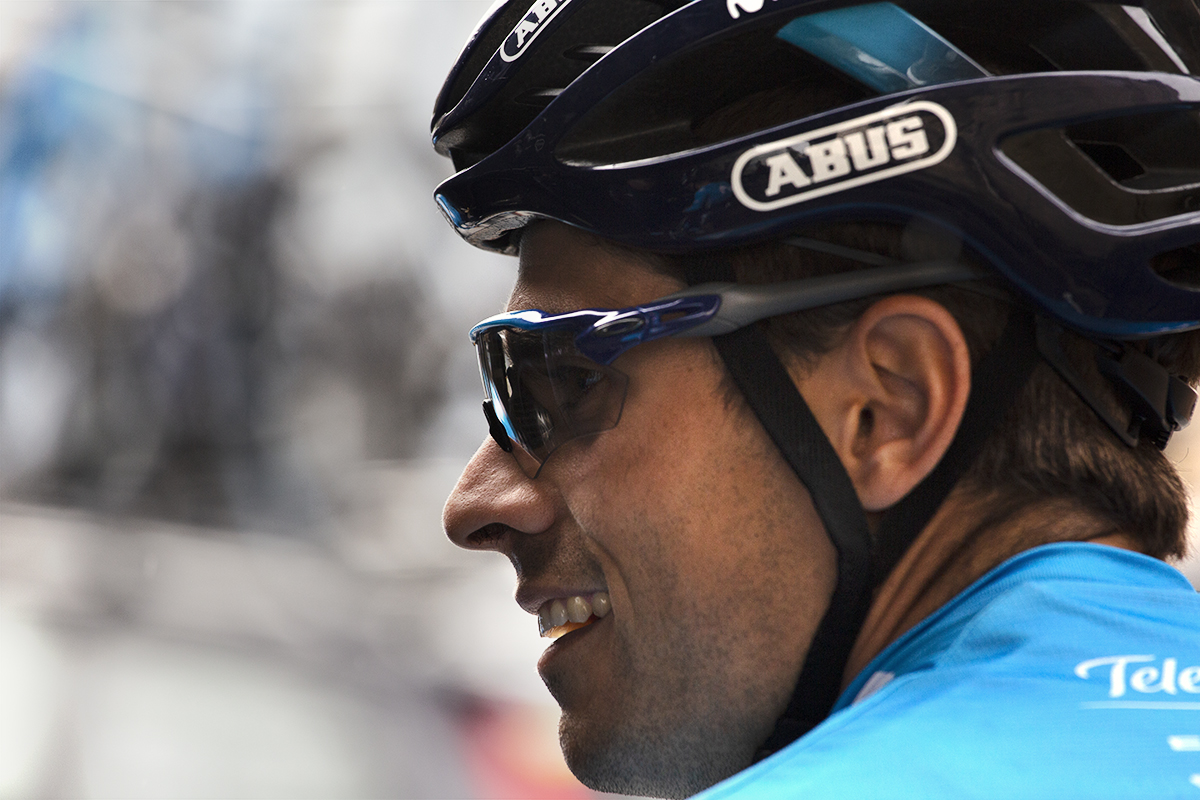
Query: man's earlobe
pixel 891 395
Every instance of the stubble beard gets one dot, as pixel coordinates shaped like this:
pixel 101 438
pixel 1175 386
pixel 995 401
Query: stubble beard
pixel 647 763
pixel 658 740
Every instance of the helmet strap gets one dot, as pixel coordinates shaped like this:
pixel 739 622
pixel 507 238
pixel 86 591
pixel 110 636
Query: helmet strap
pixel 779 406
pixel 862 564
pixel 773 397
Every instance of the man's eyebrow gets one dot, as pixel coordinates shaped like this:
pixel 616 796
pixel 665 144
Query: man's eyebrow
pixel 561 302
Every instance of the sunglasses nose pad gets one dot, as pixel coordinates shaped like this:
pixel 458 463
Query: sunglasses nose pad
pixel 531 466
pixel 496 428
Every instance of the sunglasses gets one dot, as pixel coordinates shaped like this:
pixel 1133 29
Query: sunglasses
pixel 549 379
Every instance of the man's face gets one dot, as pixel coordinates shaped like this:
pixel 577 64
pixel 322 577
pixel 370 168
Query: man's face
pixel 686 515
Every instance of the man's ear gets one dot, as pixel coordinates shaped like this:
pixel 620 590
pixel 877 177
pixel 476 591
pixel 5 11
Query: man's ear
pixel 891 394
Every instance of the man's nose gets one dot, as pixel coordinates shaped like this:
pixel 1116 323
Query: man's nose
pixel 493 499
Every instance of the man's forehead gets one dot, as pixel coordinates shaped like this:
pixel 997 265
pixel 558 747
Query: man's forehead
pixel 562 270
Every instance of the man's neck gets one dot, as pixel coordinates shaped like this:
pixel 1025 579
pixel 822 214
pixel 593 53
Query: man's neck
pixel 969 535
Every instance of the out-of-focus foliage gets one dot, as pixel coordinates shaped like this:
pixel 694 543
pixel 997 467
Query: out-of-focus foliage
pixel 208 307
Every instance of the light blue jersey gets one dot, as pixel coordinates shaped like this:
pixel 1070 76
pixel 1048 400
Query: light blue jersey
pixel 1069 671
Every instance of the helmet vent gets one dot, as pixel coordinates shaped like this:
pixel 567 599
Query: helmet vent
pixel 1118 171
pixel 1113 158
pixel 706 94
pixel 1145 152
pixel 503 101
pixel 1179 267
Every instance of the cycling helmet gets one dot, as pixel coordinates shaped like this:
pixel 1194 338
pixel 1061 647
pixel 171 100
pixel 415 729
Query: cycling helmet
pixel 1058 139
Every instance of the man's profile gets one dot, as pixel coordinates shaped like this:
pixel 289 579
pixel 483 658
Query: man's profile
pixel 827 415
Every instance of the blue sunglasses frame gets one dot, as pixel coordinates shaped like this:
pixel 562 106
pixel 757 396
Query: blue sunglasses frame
pixel 601 336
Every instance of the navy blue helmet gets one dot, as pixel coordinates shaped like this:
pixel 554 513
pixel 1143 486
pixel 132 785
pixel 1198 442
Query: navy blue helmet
pixel 1060 139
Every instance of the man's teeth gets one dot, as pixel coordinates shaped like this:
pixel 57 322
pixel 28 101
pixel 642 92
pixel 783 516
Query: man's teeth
pixel 558 617
pixel 578 609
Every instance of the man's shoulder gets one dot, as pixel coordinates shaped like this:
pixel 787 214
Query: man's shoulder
pixel 1069 671
pixel 1053 603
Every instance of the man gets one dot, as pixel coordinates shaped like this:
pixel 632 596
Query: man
pixel 828 411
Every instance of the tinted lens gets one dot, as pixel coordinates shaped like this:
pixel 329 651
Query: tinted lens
pixel 545 392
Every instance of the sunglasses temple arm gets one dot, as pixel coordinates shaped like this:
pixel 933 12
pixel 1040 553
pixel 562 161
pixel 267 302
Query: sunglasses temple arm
pixel 743 304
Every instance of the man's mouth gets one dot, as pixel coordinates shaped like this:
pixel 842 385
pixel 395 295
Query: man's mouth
pixel 565 614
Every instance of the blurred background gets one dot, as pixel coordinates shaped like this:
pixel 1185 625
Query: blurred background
pixel 235 389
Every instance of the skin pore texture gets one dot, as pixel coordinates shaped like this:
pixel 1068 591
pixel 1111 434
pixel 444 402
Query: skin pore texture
pixel 685 513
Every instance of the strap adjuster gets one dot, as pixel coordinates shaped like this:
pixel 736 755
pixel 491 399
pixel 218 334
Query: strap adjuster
pixel 1159 403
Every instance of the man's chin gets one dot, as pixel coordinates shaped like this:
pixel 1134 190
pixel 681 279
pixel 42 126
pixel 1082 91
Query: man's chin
pixel 634 762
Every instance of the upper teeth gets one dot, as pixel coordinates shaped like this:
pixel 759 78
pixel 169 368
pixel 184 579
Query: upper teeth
pixel 557 613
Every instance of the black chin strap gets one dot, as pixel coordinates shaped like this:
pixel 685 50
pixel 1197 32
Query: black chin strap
pixel 862 564
pixel 781 409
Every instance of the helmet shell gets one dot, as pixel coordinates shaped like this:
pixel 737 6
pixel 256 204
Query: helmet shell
pixel 1060 140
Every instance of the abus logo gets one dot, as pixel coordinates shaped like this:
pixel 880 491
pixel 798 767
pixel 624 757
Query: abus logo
pixel 852 153
pixel 533 23
pixel 736 7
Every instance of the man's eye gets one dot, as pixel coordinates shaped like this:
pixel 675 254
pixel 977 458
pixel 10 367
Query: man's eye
pixel 573 383
pixel 585 379
pixel 579 378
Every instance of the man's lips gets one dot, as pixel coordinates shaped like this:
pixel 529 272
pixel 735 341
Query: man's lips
pixel 567 639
